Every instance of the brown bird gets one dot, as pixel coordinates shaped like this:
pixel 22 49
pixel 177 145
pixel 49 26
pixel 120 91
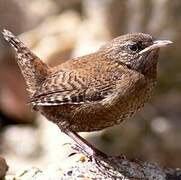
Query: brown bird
pixel 95 91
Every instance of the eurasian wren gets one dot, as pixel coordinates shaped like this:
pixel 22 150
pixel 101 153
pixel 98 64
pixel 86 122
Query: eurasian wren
pixel 95 91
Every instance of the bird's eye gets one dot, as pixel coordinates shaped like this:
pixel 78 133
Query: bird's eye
pixel 133 47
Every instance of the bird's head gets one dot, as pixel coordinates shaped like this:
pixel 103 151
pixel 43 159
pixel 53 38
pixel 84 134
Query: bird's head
pixel 137 50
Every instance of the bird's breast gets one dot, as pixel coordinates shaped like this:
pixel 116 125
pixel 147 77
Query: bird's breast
pixel 110 111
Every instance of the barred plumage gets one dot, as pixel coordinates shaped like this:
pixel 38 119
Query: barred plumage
pixel 32 68
pixel 95 91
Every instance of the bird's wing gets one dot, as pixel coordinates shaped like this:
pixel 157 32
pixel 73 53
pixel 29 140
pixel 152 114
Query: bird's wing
pixel 70 87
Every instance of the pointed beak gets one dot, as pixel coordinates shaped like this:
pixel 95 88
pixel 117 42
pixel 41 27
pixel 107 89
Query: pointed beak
pixel 156 44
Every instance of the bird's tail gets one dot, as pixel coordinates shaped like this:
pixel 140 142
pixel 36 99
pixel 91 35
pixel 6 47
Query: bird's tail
pixel 32 68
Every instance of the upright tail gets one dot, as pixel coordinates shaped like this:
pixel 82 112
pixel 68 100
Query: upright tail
pixel 32 68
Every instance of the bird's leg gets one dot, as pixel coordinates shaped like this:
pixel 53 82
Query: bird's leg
pixel 99 159
pixel 88 149
pixel 85 147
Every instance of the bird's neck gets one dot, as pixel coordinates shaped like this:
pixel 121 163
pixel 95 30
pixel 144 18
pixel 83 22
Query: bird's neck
pixel 150 71
pixel 149 68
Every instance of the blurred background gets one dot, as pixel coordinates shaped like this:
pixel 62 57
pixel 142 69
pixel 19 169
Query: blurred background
pixel 57 30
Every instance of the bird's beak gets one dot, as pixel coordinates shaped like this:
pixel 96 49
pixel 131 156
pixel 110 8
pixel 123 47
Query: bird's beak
pixel 156 44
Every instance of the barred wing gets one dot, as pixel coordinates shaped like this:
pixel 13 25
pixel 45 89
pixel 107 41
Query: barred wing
pixel 72 88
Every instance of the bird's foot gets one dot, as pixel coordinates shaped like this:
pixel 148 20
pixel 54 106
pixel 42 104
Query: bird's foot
pixel 89 152
pixel 97 157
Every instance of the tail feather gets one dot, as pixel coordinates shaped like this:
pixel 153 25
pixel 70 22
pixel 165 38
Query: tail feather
pixel 32 68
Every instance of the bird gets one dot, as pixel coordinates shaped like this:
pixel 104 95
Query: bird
pixel 94 91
